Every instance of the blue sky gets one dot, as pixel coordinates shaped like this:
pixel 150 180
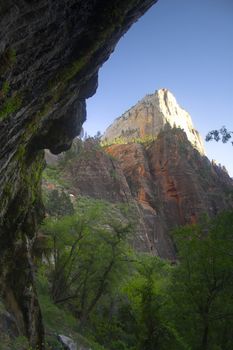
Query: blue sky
pixel 185 46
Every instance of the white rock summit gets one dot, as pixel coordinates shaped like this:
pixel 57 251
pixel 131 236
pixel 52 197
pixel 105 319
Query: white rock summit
pixel 149 116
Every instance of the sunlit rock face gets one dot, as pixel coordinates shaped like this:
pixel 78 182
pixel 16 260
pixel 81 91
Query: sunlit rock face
pixel 150 116
pixel 50 54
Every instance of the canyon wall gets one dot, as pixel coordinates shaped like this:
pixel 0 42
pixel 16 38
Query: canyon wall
pixel 154 158
pixel 173 185
pixel 167 181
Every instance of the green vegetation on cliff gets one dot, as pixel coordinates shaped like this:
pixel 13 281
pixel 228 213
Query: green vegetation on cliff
pixel 123 140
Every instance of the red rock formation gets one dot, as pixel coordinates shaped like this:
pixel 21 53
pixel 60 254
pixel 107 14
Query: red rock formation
pixel 172 184
pixel 171 180
pixel 167 181
pixel 166 175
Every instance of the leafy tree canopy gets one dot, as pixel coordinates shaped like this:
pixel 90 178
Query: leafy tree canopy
pixel 222 134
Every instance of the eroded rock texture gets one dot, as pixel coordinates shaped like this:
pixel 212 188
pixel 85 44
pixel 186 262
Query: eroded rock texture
pixel 50 53
pixel 151 115
pixel 168 182
pixel 173 185
pixel 157 166
pixel 92 172
pixel 167 171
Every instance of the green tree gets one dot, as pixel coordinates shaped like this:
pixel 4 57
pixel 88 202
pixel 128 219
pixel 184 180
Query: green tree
pixel 58 203
pixel 147 296
pixel 202 284
pixel 88 256
pixel 222 134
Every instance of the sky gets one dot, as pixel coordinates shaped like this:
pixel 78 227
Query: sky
pixel 185 46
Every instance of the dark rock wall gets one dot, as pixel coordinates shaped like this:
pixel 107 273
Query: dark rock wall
pixel 50 53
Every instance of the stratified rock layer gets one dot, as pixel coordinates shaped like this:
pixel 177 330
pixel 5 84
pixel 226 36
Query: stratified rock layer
pixel 150 116
pixel 168 182
pixel 50 54
pixel 173 184
pixel 93 173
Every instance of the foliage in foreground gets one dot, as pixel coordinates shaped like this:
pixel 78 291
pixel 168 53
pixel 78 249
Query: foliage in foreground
pixel 203 284
pixel 121 300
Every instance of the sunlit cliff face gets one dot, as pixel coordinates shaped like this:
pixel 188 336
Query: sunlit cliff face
pixel 151 115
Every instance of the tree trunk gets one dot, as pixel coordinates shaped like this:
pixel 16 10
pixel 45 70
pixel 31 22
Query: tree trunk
pixel 205 336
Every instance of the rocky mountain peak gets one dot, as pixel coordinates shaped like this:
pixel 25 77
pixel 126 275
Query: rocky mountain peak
pixel 150 116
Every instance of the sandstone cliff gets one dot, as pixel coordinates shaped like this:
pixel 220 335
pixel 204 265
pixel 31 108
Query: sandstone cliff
pixel 50 54
pixel 168 182
pixel 173 184
pixel 167 171
pixel 169 179
pixel 151 115
pixel 91 172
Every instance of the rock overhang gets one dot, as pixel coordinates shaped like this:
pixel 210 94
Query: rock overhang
pixel 50 54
